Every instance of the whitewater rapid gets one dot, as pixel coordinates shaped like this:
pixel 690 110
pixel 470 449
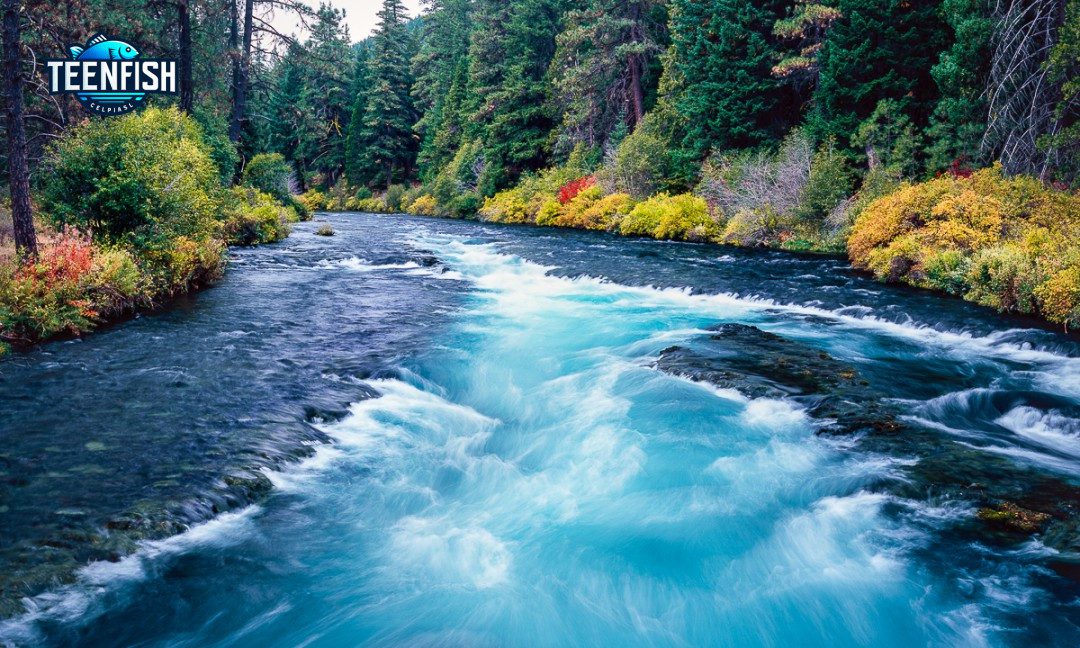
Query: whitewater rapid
pixel 530 478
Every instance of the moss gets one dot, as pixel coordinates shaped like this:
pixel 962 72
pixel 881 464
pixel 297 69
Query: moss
pixel 1012 517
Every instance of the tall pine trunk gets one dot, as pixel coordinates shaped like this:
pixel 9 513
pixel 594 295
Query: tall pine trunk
pixel 18 169
pixel 187 92
pixel 241 73
pixel 637 94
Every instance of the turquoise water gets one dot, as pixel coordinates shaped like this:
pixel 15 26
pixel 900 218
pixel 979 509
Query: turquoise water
pixel 525 476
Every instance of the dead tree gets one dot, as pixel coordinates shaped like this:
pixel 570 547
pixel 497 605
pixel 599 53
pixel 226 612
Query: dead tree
pixel 1022 93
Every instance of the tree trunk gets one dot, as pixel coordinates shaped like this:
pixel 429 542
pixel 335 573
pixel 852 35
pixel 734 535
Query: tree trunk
pixel 241 72
pixel 187 91
pixel 22 216
pixel 637 94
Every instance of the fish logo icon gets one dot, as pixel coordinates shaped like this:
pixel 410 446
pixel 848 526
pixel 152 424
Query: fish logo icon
pixel 109 77
pixel 100 48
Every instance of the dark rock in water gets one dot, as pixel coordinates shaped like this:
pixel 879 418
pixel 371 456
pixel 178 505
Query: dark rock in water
pixel 762 364
pixel 1015 502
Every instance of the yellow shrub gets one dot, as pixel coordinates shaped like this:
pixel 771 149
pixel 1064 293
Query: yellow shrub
pixel 682 217
pixel 892 215
pixel 313 200
pixel 548 213
pixel 504 207
pixel 1011 243
pixel 572 213
pixel 372 206
pixel 1059 297
pixel 424 206
pixel 605 213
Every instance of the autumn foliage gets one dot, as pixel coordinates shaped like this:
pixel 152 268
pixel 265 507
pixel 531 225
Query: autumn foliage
pixel 571 189
pixel 1005 242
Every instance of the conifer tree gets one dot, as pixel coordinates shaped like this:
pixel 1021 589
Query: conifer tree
pixel 723 51
pixel 388 146
pixel 355 168
pixel 442 54
pixel 602 70
pixel 878 50
pixel 959 119
pixel 511 49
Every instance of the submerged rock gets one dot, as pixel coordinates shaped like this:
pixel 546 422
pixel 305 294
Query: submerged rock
pixel 1009 516
pixel 1014 502
pixel 760 364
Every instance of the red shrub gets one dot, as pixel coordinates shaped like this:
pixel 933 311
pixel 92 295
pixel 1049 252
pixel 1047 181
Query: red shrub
pixel 958 170
pixel 571 189
pixel 65 259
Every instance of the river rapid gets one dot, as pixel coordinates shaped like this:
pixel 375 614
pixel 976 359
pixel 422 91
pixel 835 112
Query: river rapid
pixel 436 433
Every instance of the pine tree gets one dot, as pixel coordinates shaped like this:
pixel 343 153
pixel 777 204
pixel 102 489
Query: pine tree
pixel 878 50
pixel 602 70
pixel 356 171
pixel 309 105
pixel 511 49
pixel 959 119
pixel 804 31
pixel 18 171
pixel 723 52
pixel 442 54
pixel 388 144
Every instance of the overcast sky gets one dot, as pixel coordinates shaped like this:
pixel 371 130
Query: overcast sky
pixel 359 16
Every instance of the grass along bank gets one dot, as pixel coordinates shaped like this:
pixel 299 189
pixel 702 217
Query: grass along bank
pixel 132 212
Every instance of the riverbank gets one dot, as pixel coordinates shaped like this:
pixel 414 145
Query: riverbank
pixel 128 235
pixel 1010 243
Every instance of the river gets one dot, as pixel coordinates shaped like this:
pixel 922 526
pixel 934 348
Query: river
pixel 436 433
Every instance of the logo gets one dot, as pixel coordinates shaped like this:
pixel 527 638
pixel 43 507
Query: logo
pixel 108 76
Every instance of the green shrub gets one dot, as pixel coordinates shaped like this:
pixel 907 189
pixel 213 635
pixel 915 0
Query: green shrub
pixel 1004 277
pixel 325 230
pixel 144 182
pixel 341 196
pixel 253 217
pixel 649 159
pixel 828 184
pixel 393 198
pixel 146 177
pixel 269 173
pixel 455 186
pixel 216 135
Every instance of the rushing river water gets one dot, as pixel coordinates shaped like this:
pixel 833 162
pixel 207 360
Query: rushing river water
pixel 486 436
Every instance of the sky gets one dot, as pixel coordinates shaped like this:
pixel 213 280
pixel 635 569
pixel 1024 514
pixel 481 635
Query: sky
pixel 359 16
